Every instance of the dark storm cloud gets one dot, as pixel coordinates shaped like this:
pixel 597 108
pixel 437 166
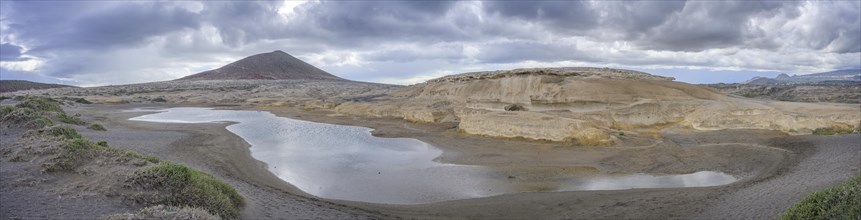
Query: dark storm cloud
pixel 652 25
pixel 565 16
pixel 240 22
pixel 631 20
pixel 512 52
pixel 9 52
pixel 353 23
pixel 89 25
pixel 837 30
pixel 64 36
pixel 707 24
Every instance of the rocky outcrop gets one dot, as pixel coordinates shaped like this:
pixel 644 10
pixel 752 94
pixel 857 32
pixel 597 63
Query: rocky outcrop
pixel 589 106
pixel 533 125
pixel 788 117
pixel 561 72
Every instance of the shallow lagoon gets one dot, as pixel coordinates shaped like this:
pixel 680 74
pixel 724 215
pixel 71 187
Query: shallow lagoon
pixel 348 163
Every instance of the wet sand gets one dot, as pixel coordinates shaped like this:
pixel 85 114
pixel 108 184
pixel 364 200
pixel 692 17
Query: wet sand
pixel 777 170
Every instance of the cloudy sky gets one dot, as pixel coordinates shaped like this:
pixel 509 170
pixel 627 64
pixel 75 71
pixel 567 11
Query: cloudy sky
pixel 117 42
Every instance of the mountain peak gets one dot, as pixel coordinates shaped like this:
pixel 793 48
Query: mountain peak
pixel 274 65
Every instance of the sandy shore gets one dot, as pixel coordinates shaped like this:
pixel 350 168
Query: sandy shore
pixel 777 170
pixel 211 148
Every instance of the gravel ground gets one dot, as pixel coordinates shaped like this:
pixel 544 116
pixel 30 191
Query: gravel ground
pixel 825 161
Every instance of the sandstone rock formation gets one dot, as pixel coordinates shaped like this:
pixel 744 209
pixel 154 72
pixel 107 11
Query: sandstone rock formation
pixel 590 105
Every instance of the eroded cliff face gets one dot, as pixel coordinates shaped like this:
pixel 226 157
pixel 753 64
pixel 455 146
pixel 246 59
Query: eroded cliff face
pixel 590 106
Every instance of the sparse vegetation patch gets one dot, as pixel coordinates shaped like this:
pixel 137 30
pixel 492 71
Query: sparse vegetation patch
pixel 32 112
pixel 68 119
pixel 79 100
pixel 840 202
pixel 189 187
pixel 835 131
pixel 41 104
pixel 25 117
pixel 5 110
pixel 165 212
pixel 175 185
pixel 78 150
pixel 63 131
pixel 97 127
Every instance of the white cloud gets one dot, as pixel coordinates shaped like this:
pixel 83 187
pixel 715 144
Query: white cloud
pixel 30 65
pixel 417 78
pixel 288 6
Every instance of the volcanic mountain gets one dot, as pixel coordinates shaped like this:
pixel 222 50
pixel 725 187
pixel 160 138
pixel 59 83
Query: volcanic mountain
pixel 265 66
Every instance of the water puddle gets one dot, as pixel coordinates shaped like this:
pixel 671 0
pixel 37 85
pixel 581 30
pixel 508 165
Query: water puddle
pixel 348 163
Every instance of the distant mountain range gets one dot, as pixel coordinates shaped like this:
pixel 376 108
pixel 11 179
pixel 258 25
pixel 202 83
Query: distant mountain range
pixel 850 75
pixel 836 86
pixel 18 85
pixel 276 65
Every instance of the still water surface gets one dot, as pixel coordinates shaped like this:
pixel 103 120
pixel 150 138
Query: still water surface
pixel 348 163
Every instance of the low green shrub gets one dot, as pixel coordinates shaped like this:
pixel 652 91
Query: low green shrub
pixel 19 115
pixel 150 158
pixel 81 100
pixel 97 127
pixel 80 143
pixel 40 122
pixel 25 117
pixel 5 110
pixel 41 104
pixel 192 188
pixel 68 119
pixel 63 131
pixel 834 131
pixel 75 152
pixel 840 202
pixel 78 150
